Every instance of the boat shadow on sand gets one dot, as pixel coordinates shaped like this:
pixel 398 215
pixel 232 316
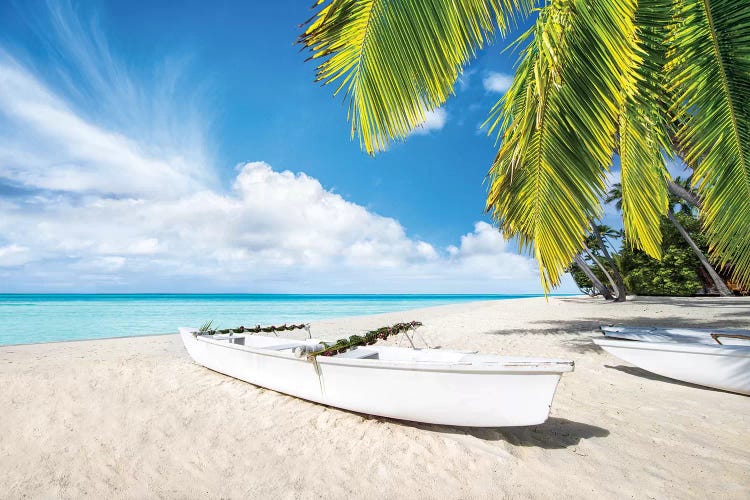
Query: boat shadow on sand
pixel 590 326
pixel 640 372
pixel 555 433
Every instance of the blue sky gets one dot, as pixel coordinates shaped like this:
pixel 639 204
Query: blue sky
pixel 145 147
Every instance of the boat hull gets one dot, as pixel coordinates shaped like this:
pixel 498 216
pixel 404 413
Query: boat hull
pixel 687 335
pixel 458 394
pixel 720 367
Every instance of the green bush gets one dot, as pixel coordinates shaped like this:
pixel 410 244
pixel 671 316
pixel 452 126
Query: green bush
pixel 676 273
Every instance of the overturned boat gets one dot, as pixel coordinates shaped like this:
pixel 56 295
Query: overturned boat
pixel 434 386
pixel 717 336
pixel 725 367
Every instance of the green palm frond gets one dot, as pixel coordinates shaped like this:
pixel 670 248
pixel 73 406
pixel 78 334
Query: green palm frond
pixel 643 131
pixel 396 60
pixel 641 78
pixel 557 138
pixel 710 74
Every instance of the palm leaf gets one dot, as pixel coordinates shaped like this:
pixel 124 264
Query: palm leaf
pixel 644 133
pixel 396 60
pixel 558 124
pixel 710 75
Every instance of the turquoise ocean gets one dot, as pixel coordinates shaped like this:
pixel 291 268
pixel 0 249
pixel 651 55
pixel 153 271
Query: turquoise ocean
pixel 26 319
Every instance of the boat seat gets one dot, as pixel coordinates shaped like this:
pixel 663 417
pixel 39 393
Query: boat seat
pixel 359 354
pixel 281 347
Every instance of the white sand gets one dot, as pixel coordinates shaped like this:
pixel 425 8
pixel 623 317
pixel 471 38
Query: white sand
pixel 136 418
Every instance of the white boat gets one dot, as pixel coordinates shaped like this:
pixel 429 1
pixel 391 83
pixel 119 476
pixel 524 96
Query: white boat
pixel 423 385
pixel 725 367
pixel 716 336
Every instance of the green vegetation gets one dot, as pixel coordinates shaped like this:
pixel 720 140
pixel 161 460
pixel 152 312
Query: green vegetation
pixel 328 349
pixel 677 273
pixel 368 338
pixel 208 329
pixel 682 270
pixel 637 78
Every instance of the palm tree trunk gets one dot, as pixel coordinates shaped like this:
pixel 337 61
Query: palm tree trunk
pixel 718 281
pixel 600 266
pixel 598 285
pixel 619 284
pixel 683 193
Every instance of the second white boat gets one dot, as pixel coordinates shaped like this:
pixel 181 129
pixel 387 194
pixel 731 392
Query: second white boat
pixel 717 336
pixel 725 367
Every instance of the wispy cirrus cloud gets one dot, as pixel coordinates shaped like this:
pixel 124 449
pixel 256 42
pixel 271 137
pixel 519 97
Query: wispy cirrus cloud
pixel 48 145
pixel 102 124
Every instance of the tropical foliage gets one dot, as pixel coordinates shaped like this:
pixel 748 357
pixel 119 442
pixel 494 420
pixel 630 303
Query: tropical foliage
pixel 677 273
pixel 207 329
pixel 683 269
pixel 643 79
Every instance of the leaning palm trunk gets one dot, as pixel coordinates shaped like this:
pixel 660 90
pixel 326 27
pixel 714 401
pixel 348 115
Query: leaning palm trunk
pixel 600 266
pixel 598 285
pixel 619 283
pixel 717 280
pixel 683 193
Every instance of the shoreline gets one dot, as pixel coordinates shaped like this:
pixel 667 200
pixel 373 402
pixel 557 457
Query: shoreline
pixel 134 417
pixel 368 316
pixel 337 318
pixel 105 316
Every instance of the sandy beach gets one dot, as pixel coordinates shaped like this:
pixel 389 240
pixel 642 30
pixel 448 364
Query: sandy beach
pixel 135 418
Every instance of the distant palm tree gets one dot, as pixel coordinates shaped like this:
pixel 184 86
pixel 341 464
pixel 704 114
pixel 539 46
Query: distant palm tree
pixel 635 77
pixel 599 287
pixel 598 233
pixel 615 195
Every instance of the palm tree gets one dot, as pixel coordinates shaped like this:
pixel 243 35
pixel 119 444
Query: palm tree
pixel 600 288
pixel 615 195
pixel 598 233
pixel 598 264
pixel 638 77
pixel 682 194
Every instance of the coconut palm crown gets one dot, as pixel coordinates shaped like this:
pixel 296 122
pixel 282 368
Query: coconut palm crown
pixel 642 79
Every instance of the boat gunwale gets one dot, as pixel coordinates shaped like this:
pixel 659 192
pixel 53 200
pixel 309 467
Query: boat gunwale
pixel 528 367
pixel 688 331
pixel 737 351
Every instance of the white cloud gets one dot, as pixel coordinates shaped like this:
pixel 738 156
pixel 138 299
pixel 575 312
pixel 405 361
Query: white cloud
pixel 276 230
pixel 13 255
pixel 434 120
pixel 497 82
